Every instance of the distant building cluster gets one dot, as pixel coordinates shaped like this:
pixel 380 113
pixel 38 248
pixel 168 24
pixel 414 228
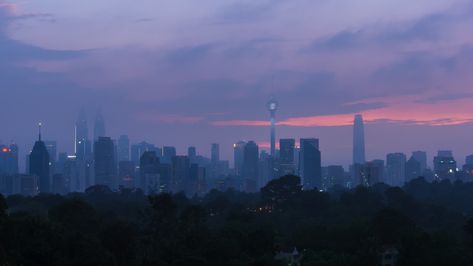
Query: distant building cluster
pixel 117 163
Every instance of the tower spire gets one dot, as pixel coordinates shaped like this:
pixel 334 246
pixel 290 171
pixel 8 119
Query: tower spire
pixel 39 130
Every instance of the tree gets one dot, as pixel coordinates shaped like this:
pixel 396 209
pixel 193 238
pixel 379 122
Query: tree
pixel 281 190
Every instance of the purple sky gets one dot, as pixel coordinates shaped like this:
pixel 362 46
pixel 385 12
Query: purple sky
pixel 195 72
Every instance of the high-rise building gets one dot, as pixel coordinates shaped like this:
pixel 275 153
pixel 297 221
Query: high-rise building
pixel 168 153
pixel 126 174
pixel 238 155
pixel 99 126
pixel 138 149
pixel 413 169
pixel 421 157
pixel 123 148
pixel 370 173
pixel 250 166
pixel 272 107
pixel 149 172
pixel 192 154
pixel 335 176
pixel 358 140
pixel 39 164
pixel 286 157
pixel 29 185
pixel 9 160
pixel 310 165
pixel 51 146
pixel 445 165
pixel 469 159
pixel 215 153
pixel 105 167
pixel 180 173
pixel 82 145
pixel 396 169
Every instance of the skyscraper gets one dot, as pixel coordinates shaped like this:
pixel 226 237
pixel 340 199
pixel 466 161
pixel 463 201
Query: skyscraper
pixel 286 156
pixel 421 157
pixel 81 132
pixel 123 148
pixel 180 173
pixel 192 153
pixel 396 169
pixel 413 169
pixel 168 153
pixel 99 126
pixel 358 141
pixel 251 166
pixel 138 149
pixel 215 153
pixel 310 163
pixel 238 155
pixel 9 160
pixel 39 164
pixel 105 168
pixel 272 107
pixel 149 172
pixel 445 165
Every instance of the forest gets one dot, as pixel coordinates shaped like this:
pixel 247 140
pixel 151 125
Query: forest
pixel 427 223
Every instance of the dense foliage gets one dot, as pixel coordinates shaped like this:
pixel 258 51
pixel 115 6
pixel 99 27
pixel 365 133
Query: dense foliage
pixel 429 223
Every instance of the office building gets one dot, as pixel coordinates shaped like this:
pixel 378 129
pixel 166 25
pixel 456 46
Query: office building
pixel 215 153
pixel 149 172
pixel 413 169
pixel 358 140
pixel 105 167
pixel 123 148
pixel 286 157
pixel 310 163
pixel 445 165
pixel 39 164
pixel 9 160
pixel 238 156
pixel 396 169
pixel 250 166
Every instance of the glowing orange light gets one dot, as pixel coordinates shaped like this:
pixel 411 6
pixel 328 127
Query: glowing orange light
pixel 5 150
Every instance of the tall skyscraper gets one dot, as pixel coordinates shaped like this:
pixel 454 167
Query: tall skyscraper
pixel 358 141
pixel 123 148
pixel 272 107
pixel 421 157
pixel 215 153
pixel 105 168
pixel 396 169
pixel 138 149
pixel 192 153
pixel 413 169
pixel 310 163
pixel 149 172
pixel 286 156
pixel 445 165
pixel 81 131
pixel 99 126
pixel 180 173
pixel 39 164
pixel 9 160
pixel 238 155
pixel 251 166
pixel 126 174
pixel 168 153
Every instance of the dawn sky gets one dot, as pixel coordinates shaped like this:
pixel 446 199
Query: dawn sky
pixel 195 72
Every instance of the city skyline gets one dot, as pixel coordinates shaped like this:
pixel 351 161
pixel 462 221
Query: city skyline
pixel 214 79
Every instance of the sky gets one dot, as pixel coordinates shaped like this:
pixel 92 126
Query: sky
pixel 189 72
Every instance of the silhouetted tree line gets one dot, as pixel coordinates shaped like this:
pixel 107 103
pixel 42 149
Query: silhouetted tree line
pixel 428 223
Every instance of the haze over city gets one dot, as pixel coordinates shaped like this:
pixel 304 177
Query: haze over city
pixel 187 73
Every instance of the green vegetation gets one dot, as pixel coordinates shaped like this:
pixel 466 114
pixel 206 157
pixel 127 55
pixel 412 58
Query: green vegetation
pixel 428 223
